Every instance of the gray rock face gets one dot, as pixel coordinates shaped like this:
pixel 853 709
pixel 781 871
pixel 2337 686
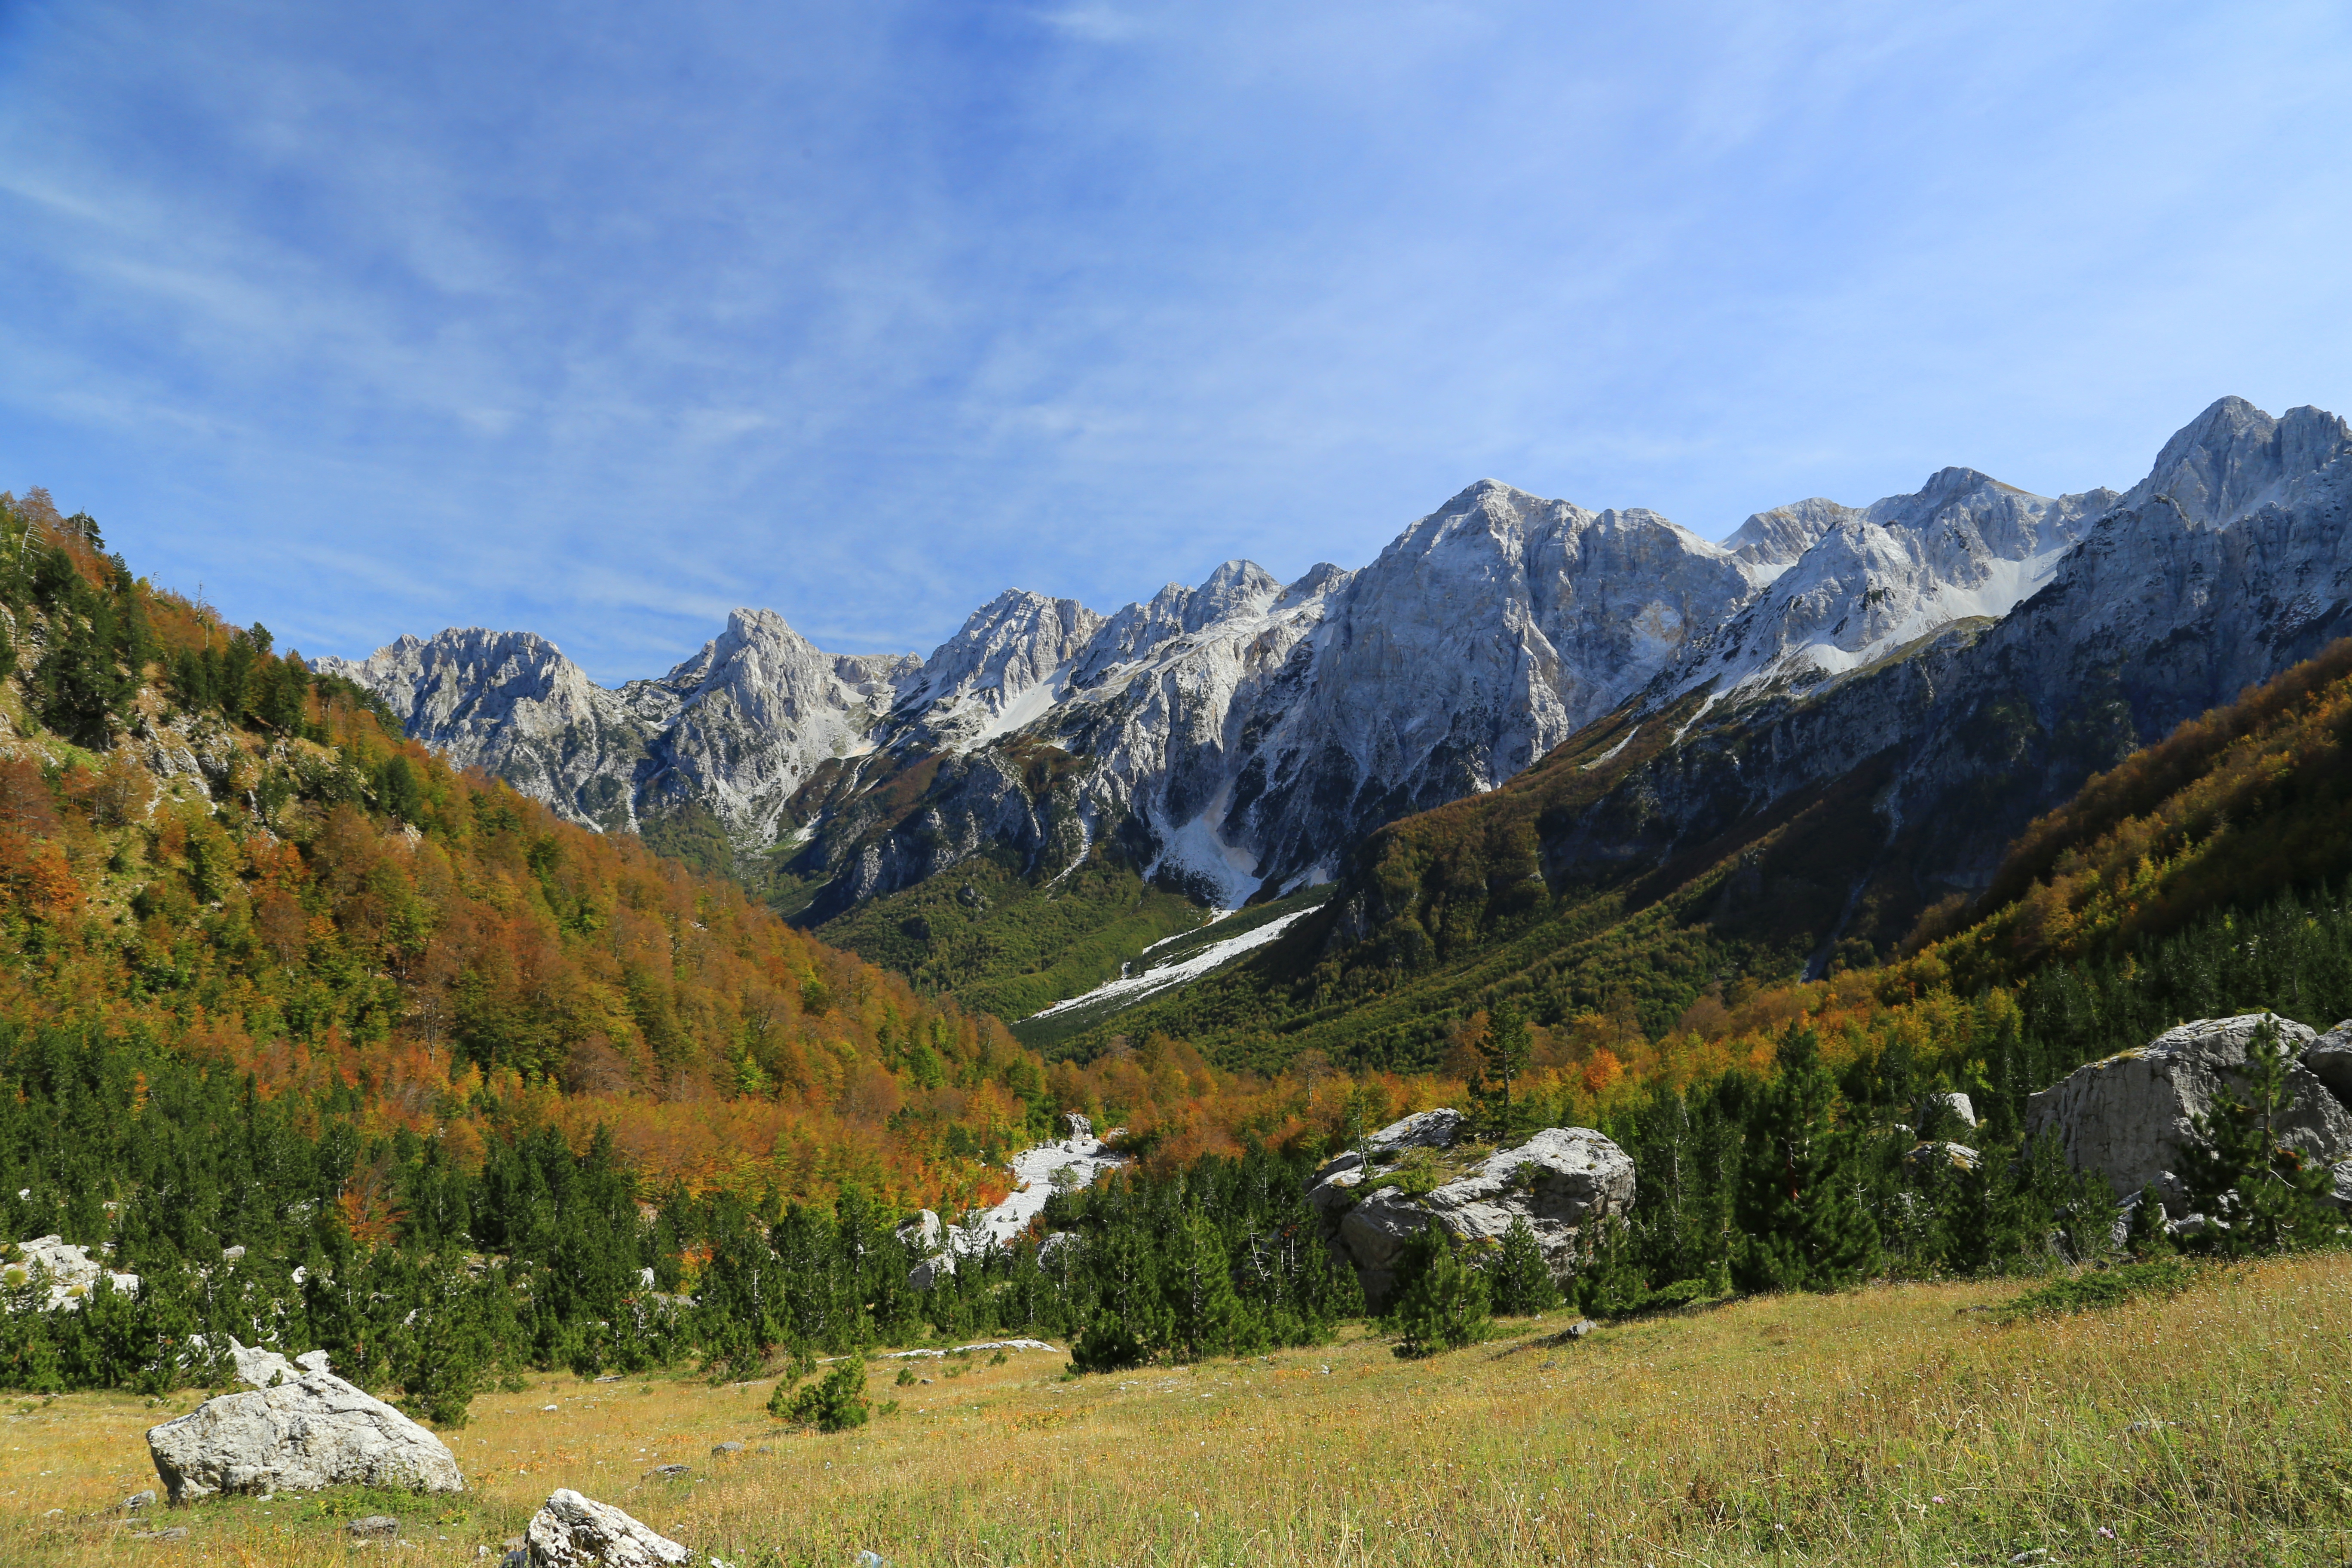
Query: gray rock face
pixel 1558 1180
pixel 258 1366
pixel 923 1232
pixel 736 729
pixel 1869 580
pixel 1954 739
pixel 71 1271
pixel 2329 1059
pixel 317 1431
pixel 2129 1117
pixel 577 1531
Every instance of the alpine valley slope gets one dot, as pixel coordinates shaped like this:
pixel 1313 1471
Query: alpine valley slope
pixel 1239 740
pixel 1859 741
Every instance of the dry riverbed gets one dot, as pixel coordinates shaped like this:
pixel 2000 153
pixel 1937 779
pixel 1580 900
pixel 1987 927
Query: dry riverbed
pixel 1886 1425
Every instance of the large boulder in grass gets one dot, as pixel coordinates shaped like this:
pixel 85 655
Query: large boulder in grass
pixel 314 1432
pixel 575 1531
pixel 2128 1117
pixel 1558 1180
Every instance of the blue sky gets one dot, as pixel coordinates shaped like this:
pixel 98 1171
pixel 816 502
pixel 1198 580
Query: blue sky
pixel 600 319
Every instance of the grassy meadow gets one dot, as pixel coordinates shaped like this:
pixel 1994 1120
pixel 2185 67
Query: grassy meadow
pixel 1892 1425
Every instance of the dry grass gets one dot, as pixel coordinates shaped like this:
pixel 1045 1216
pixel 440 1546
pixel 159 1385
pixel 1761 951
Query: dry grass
pixel 1890 1426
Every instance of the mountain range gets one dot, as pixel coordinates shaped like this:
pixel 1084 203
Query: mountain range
pixel 1952 660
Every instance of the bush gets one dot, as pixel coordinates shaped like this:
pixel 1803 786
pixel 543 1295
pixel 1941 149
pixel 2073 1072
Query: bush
pixel 834 1403
pixel 2099 1289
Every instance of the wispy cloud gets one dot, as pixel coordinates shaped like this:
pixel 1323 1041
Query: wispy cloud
pixel 604 322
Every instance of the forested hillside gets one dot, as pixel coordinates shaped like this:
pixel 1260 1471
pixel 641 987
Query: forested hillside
pixel 333 1046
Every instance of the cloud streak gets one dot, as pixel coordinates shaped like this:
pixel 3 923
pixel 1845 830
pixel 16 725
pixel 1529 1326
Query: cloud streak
pixel 599 320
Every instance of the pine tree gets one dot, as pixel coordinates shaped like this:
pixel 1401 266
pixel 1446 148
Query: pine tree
pixel 1444 1305
pixel 1503 1055
pixel 1609 1283
pixel 1206 1316
pixel 83 693
pixel 1804 1227
pixel 2148 1237
pixel 1130 1325
pixel 2256 1193
pixel 834 1403
pixel 1520 1279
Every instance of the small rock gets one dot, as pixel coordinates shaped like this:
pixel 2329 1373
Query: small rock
pixel 871 1560
pixel 672 1471
pixel 177 1533
pixel 1579 1328
pixel 728 1448
pixel 764 1448
pixel 610 1377
pixel 545 1409
pixel 139 1499
pixel 2030 1555
pixel 374 1527
pixel 575 1531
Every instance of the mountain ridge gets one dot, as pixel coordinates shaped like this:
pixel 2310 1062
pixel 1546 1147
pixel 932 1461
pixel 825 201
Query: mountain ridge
pixel 1239 739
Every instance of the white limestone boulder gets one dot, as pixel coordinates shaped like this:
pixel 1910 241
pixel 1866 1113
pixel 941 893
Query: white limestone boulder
pixel 314 1432
pixel 2128 1118
pixel 577 1531
pixel 1557 1181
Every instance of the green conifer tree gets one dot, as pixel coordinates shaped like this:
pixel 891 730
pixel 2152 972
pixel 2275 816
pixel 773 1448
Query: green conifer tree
pixel 1520 1279
pixel 1445 1304
pixel 1206 1318
pixel 1504 1053
pixel 2256 1193
pixel 1803 1226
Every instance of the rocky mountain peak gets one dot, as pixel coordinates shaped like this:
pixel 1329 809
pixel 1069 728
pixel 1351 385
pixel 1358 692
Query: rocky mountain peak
pixel 1237 587
pixel 1775 539
pixel 2234 459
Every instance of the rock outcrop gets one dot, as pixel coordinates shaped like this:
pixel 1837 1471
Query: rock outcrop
pixel 2128 1118
pixel 316 1431
pixel 70 1272
pixel 2329 1059
pixel 1558 1180
pixel 267 1368
pixel 577 1531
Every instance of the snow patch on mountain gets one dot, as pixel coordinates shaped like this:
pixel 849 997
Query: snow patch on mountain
pixel 1131 989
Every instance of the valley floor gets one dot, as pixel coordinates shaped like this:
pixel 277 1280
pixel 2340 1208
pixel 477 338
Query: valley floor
pixel 1895 1424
